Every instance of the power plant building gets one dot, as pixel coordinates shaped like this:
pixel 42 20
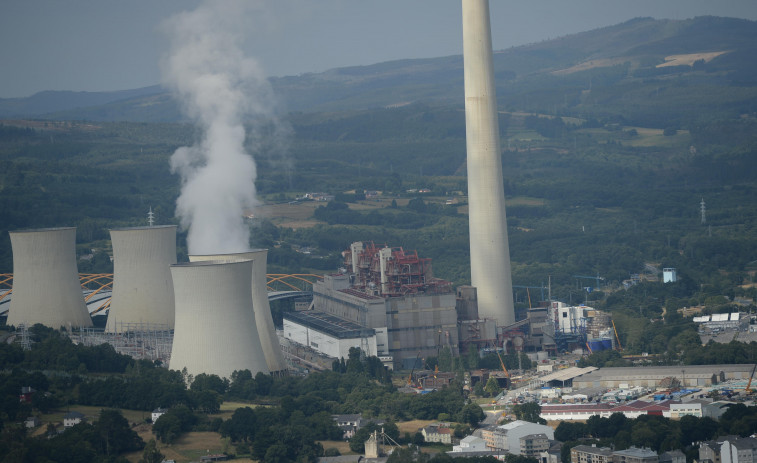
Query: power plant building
pixel 329 335
pixel 393 293
pixel 46 286
pixel 142 286
pixel 215 329
pixel 489 247
pixel 260 305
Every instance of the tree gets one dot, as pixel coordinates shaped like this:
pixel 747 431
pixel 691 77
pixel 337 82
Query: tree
pixel 472 414
pixel 151 454
pixel 116 436
pixel 167 428
pixel 529 411
pixel 492 387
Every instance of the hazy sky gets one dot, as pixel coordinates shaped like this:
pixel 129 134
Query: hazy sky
pixel 96 45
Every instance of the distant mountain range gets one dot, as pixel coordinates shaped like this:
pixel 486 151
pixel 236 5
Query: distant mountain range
pixel 638 65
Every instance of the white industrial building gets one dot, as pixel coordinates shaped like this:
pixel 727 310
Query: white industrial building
pixel 46 286
pixel 329 335
pixel 142 287
pixel 264 321
pixel 489 247
pixel 215 330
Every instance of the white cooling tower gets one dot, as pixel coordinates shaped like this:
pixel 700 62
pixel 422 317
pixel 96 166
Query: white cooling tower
pixel 489 247
pixel 271 348
pixel 215 331
pixel 142 287
pixel 46 286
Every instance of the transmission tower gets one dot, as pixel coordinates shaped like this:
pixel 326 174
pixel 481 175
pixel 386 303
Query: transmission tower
pixel 702 207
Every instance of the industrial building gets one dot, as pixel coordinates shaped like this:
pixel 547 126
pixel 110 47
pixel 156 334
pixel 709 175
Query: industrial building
pixel 330 335
pixel 215 329
pixel 142 286
pixel 260 305
pixel 46 285
pixel 394 294
pixel 651 376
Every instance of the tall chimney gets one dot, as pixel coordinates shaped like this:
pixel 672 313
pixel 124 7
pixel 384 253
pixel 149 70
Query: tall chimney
pixel 489 247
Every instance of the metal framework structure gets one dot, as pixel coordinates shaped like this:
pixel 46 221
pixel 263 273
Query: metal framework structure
pixel 146 341
pixel 96 283
pixel 393 270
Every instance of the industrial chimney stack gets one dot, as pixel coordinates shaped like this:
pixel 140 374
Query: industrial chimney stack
pixel 489 247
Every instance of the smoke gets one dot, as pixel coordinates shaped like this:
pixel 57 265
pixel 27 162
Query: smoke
pixel 218 88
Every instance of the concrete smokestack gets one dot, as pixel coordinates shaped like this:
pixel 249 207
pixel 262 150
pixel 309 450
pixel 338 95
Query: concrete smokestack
pixel 46 286
pixel 142 286
pixel 274 357
pixel 489 247
pixel 215 331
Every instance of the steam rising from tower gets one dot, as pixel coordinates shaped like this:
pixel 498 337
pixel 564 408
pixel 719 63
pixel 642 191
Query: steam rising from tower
pixel 217 86
pixel 489 247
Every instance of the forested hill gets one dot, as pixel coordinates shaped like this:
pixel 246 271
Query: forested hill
pixel 666 67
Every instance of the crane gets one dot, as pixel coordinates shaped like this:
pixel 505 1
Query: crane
pixel 620 348
pixel 749 384
pixel 410 377
pixel 502 364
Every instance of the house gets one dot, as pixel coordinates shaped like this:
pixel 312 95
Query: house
pixel 72 419
pixel 739 450
pixel 437 433
pixel 26 394
pixel 590 454
pixel 349 424
pixel 532 445
pixel 673 456
pixel 635 455
pixel 470 444
pixel 157 413
pixel 32 422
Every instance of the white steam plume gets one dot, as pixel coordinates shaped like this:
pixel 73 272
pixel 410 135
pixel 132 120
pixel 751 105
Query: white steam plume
pixel 217 87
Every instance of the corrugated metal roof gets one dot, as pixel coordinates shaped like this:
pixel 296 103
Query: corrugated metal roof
pixel 566 374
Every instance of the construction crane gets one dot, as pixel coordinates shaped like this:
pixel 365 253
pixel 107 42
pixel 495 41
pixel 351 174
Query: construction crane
pixel 749 384
pixel 620 348
pixel 502 364
pixel 410 377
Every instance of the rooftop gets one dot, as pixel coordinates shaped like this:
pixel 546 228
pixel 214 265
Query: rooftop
pixel 329 324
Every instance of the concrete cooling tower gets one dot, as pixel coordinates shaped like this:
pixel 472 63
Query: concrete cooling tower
pixel 215 331
pixel 489 247
pixel 46 286
pixel 271 348
pixel 142 286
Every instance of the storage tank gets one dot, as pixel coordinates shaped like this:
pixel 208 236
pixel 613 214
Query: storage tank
pixel 142 286
pixel 266 330
pixel 215 331
pixel 46 287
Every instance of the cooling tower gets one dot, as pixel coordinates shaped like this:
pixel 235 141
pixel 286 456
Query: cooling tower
pixel 142 286
pixel 46 286
pixel 267 332
pixel 215 331
pixel 489 247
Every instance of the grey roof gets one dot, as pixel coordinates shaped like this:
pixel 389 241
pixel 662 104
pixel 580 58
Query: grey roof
pixel 329 324
pixel 594 450
pixel 637 452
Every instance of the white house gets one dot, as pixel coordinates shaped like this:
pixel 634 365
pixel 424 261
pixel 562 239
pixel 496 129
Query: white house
pixel 72 419
pixel 470 444
pixel 157 413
